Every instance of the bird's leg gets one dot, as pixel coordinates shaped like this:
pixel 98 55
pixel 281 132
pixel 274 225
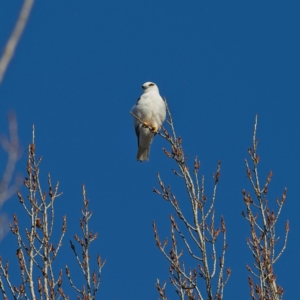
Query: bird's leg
pixel 151 127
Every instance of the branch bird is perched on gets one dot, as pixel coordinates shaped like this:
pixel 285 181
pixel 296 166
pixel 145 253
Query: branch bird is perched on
pixel 150 108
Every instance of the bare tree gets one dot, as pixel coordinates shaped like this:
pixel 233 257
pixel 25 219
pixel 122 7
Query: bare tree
pixel 262 220
pixel 196 229
pixel 36 250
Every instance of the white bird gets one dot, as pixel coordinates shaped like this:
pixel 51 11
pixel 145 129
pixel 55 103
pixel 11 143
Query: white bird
pixel 151 109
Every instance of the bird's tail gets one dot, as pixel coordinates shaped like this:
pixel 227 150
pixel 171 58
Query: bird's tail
pixel 143 154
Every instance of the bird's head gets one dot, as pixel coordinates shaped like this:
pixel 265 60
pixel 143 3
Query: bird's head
pixel 149 86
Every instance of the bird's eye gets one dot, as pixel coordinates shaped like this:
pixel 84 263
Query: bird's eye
pixel 151 84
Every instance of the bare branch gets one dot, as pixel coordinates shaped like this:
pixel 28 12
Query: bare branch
pixel 92 281
pixel 198 237
pixel 15 37
pixel 262 221
pixel 11 146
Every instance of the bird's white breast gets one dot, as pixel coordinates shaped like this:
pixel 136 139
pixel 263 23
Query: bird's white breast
pixel 151 108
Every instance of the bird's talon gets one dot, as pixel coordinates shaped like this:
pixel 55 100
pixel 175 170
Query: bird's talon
pixel 154 129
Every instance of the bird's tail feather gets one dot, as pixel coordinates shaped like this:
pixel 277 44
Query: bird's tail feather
pixel 143 154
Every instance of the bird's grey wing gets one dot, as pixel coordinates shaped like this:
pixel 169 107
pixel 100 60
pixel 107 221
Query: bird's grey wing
pixel 137 131
pixel 137 123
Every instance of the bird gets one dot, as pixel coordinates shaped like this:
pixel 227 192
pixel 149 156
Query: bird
pixel 150 108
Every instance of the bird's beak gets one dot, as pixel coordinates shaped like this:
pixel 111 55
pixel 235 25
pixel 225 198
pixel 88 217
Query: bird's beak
pixel 143 87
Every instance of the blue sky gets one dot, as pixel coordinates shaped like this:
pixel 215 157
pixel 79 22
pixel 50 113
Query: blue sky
pixel 76 74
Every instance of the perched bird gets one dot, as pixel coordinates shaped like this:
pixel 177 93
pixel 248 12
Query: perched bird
pixel 151 109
